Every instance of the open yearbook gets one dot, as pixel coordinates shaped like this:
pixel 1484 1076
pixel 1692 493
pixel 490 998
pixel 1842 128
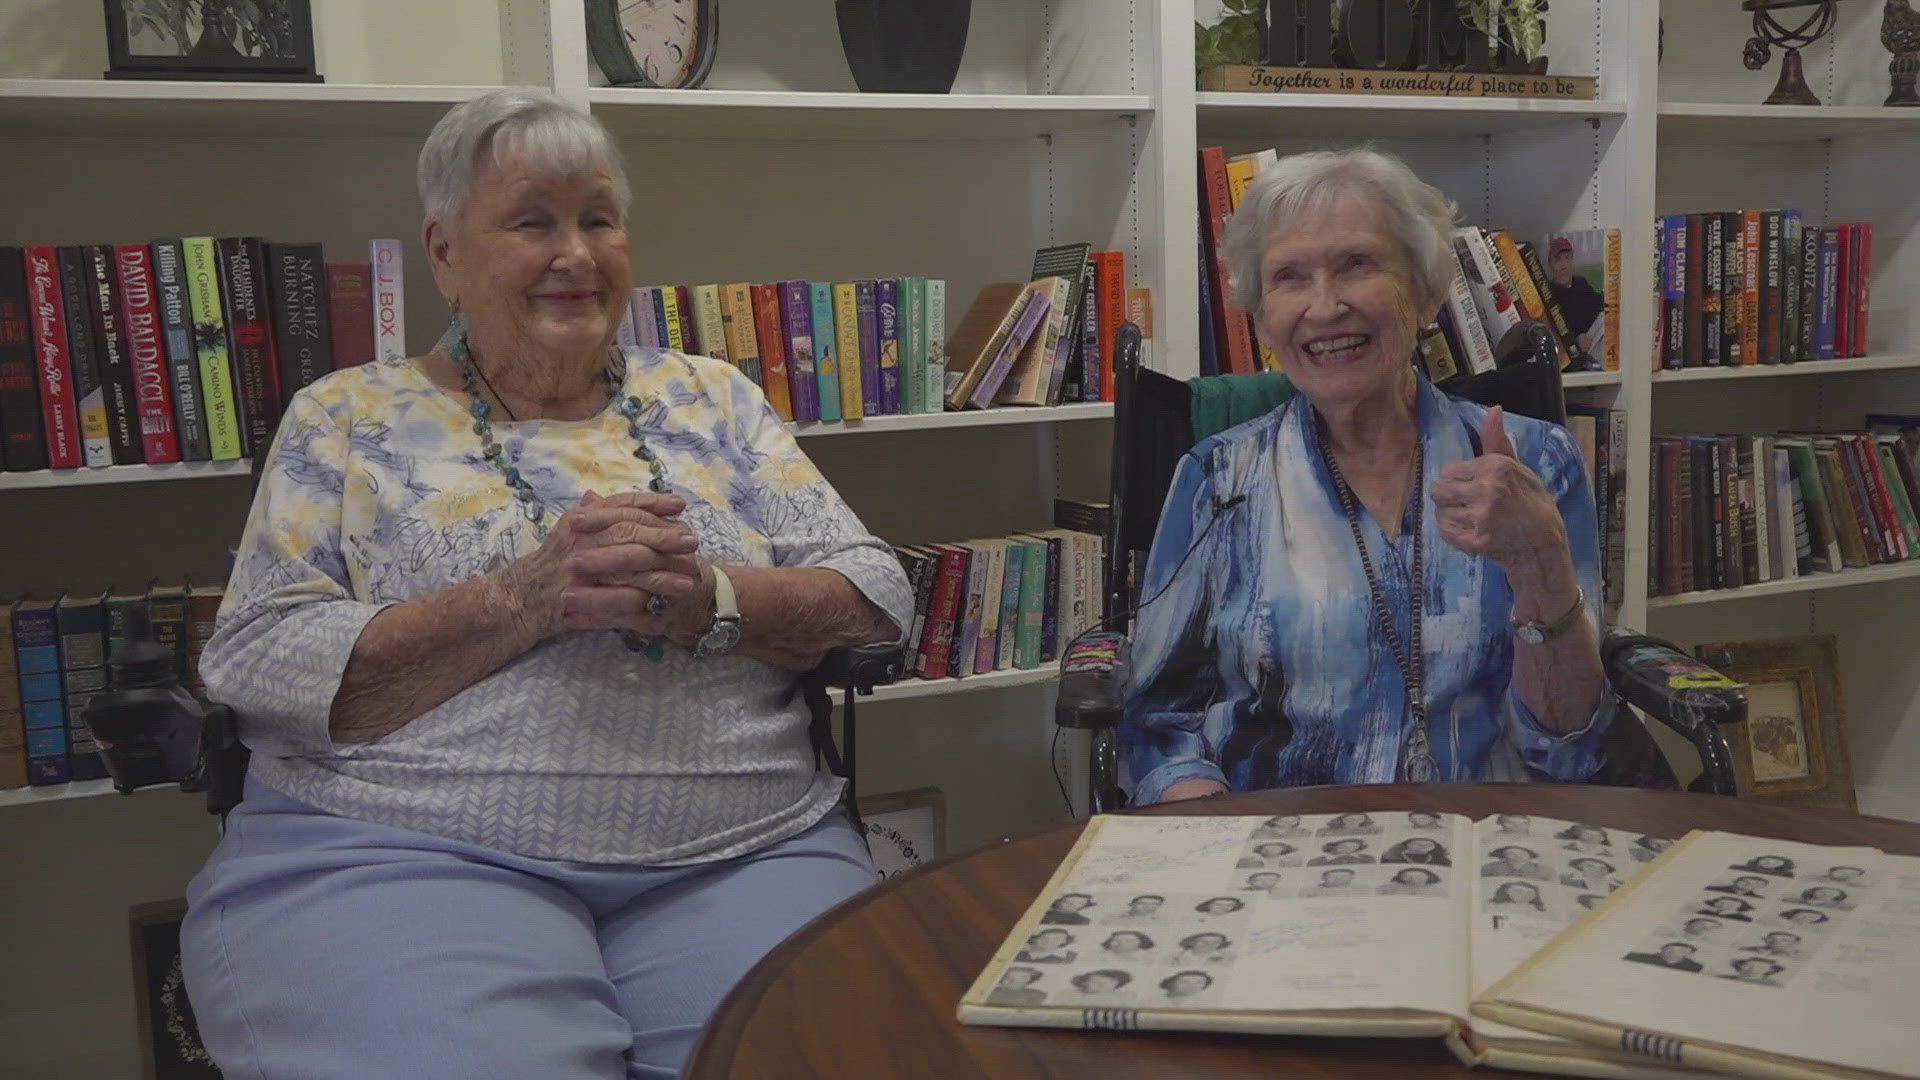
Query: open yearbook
pixel 1525 942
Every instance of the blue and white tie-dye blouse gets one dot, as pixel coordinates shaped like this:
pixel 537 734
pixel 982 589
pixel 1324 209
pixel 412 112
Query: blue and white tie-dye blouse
pixel 1262 664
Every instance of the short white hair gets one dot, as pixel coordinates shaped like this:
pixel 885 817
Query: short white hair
pixel 1418 213
pixel 534 127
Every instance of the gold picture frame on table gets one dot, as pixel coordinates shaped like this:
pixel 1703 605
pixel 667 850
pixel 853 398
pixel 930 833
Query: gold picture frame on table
pixel 1793 746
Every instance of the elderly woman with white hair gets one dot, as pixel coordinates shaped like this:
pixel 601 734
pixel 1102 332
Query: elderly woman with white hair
pixel 513 633
pixel 1375 582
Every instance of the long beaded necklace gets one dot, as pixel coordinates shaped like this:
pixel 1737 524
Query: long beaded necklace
pixel 1416 756
pixel 535 512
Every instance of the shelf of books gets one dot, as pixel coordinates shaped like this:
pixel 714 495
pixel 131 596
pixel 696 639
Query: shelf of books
pixel 1870 575
pixel 992 680
pixel 123 474
pixel 221 109
pixel 1888 362
pixel 1713 121
pixel 1093 410
pixel 771 114
pixel 1223 114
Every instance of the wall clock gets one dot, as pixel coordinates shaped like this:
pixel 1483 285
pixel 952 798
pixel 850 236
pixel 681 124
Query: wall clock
pixel 655 43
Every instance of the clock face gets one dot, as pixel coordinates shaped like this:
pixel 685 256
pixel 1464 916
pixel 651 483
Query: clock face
pixel 663 36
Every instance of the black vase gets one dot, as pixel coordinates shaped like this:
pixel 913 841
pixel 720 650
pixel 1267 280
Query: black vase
pixel 904 46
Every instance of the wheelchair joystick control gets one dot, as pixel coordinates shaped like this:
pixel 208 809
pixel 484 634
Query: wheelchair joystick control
pixel 148 725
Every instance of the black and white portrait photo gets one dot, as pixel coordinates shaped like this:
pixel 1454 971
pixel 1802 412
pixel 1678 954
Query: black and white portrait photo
pixel 1206 947
pixel 1279 827
pixel 1335 882
pixel 1104 983
pixel 1729 908
pixel 1049 946
pixel 1354 824
pixel 1420 850
pixel 1824 896
pixel 1068 909
pixel 1752 886
pixel 1128 945
pixel 1016 988
pixel 1146 907
pixel 1777 944
pixel 1513 860
pixel 1516 898
pixel 1414 881
pixel 1270 853
pixel 1775 865
pixel 1757 970
pixel 1677 955
pixel 1648 848
pixel 1183 986
pixel 1352 851
pixel 1586 839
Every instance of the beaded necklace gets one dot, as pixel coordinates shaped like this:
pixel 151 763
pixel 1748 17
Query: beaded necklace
pixel 627 405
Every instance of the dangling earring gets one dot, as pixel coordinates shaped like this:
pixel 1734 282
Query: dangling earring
pixel 456 327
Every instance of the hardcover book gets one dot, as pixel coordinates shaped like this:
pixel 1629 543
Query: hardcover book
pixel 52 360
pixel 1223 923
pixel 389 300
pixel 183 363
pixel 1498 311
pixel 1110 291
pixel 111 351
pixel 913 345
pixel 742 338
pixel 147 353
pixel 978 337
pixel 1075 263
pixel 243 290
pixel 1026 325
pixel 43 716
pixel 776 371
pixel 83 674
pixel 225 440
pixel 84 354
pixel 846 333
pixel 1733 291
pixel 302 337
pixel 350 313
pixel 13 735
pixel 1815 979
pixel 709 326
pixel 22 445
pixel 937 352
pixel 1476 352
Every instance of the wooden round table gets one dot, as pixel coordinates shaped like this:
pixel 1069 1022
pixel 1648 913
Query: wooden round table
pixel 869 988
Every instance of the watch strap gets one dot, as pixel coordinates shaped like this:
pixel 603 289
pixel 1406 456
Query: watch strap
pixel 725 605
pixel 1539 632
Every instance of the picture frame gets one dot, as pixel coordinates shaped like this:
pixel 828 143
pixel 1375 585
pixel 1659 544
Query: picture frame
pixel 170 1047
pixel 1793 746
pixel 224 40
pixel 904 829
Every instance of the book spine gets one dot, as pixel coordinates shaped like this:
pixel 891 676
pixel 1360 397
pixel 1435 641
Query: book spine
pixel 936 344
pixel 1526 297
pixel 350 313
pixel 1790 225
pixel 1671 514
pixel 1883 455
pixel 782 381
pixel 224 439
pixel 83 674
pixel 1616 549
pixel 1673 293
pixel 146 353
pixel 297 290
pixel 1823 536
pixel 13 735
pixel 1083 370
pixel 1807 281
pixel 736 326
pixel 913 345
pixel 167 612
pixel 866 311
pixel 1466 323
pixel 43 714
pixel 1694 238
pixel 389 300
pixel 1229 322
pixel 785 313
pixel 183 364
pixel 942 613
pixel 1793 539
pixel 640 312
pixel 110 343
pixel 1033 308
pixel 1862 284
pixel 1006 643
pixel 242 289
pixel 1867 459
pixel 203 610
pixel 1712 282
pixel 966 638
pixel 709 324
pixel 926 570
pixel 826 348
pixel 1110 283
pixel 1732 291
pixel 1755 474
pixel 1053 615
pixel 994 580
pixel 846 331
pixel 1772 280
pixel 1750 281
pixel 886 306
pixel 1827 289
pixel 1610 247
pixel 83 351
pixel 23 446
pixel 1210 347
pixel 677 331
pixel 52 360
pixel 1033 605
pixel 626 336
pixel 653 301
pixel 1850 517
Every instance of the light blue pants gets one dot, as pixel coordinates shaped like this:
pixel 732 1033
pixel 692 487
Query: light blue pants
pixel 322 948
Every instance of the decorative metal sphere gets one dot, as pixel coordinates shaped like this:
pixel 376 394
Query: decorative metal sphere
pixel 1756 54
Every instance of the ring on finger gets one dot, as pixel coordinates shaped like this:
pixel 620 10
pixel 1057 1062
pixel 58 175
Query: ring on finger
pixel 658 605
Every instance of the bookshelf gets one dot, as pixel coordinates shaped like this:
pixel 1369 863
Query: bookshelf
pixel 1071 119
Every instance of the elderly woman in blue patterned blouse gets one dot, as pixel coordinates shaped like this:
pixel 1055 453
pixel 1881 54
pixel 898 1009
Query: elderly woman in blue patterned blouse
pixel 1375 582
pixel 513 633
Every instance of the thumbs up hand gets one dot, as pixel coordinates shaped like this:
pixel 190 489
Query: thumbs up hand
pixel 1495 506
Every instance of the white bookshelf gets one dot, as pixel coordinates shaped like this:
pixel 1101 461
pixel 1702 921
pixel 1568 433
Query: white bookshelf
pixel 1801 370
pixel 975 418
pixel 1578 380
pixel 1256 115
pixel 124 474
pixel 1722 122
pixel 1842 579
pixel 769 114
pixel 190 109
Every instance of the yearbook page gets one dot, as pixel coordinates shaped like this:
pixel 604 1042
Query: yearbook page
pixel 1333 923
pixel 1743 955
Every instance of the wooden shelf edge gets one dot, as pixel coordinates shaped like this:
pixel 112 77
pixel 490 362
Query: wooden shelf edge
pixel 1225 99
pixel 1887 362
pixel 1866 575
pixel 123 474
pixel 1592 378
pixel 995 417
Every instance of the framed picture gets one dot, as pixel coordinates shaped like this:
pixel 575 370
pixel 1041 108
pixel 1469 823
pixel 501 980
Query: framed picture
pixel 169 1039
pixel 905 829
pixel 1793 746
pixel 247 40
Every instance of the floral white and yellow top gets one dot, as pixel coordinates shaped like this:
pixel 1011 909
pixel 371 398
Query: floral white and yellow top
pixel 377 492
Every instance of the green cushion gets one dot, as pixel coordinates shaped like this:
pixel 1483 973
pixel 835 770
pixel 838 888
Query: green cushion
pixel 1219 402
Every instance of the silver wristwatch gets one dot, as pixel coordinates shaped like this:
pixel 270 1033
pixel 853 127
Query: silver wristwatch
pixel 724 634
pixel 1539 631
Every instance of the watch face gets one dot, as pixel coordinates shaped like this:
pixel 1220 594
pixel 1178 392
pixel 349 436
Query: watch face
pixel 664 37
pixel 723 636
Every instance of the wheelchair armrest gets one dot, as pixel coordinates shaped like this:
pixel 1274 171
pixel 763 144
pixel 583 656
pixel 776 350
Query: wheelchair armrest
pixel 222 768
pixel 1093 682
pixel 1656 677
pixel 859 667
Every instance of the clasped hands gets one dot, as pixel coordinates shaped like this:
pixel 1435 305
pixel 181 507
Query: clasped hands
pixel 605 559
